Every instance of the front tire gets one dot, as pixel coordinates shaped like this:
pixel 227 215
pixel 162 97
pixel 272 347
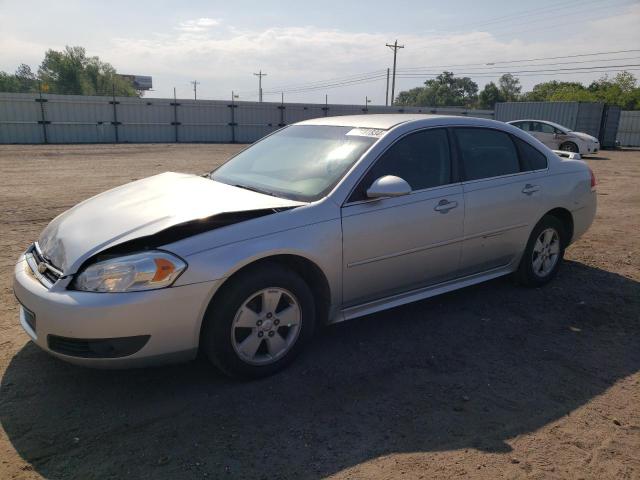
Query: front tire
pixel 569 147
pixel 543 254
pixel 258 323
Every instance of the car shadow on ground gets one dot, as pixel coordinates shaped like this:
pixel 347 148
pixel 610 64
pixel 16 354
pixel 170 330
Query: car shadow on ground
pixel 470 369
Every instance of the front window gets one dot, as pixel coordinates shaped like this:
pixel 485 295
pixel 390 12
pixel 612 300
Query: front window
pixel 300 162
pixel 546 128
pixel 422 159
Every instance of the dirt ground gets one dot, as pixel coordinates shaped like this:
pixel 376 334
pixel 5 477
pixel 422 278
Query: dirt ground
pixel 494 381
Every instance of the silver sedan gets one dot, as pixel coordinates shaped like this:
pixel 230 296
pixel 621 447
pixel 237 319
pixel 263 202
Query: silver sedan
pixel 323 221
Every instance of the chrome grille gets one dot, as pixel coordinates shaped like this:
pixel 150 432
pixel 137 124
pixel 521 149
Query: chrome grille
pixel 41 268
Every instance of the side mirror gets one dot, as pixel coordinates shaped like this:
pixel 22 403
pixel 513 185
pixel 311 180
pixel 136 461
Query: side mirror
pixel 388 186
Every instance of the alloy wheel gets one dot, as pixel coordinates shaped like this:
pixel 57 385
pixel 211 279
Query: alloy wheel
pixel 546 252
pixel 266 326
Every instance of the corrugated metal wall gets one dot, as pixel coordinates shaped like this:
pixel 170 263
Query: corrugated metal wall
pixel 564 113
pixel 27 118
pixel 629 129
pixel 609 126
pixel 589 118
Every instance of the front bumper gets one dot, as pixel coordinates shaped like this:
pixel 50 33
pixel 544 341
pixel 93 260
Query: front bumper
pixel 168 318
pixel 591 148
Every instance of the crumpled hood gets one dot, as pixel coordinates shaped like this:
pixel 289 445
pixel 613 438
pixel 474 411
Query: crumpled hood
pixel 584 136
pixel 142 208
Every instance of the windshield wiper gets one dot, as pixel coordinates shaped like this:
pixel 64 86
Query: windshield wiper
pixel 254 189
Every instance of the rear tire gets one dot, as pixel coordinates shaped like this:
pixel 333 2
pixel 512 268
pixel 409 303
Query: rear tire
pixel 258 324
pixel 543 254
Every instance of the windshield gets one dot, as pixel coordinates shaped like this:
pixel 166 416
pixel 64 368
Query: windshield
pixel 562 128
pixel 300 162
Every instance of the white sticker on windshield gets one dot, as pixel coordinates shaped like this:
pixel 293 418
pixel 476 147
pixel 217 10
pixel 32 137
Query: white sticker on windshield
pixel 367 132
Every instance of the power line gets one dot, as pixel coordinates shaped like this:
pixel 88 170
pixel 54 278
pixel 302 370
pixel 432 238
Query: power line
pixel 545 72
pixel 368 77
pixel 354 76
pixel 551 70
pixel 575 17
pixel 503 62
pixel 470 70
pixel 542 74
pixel 559 6
pixel 331 85
pixel 436 42
pixel 529 14
pixel 544 15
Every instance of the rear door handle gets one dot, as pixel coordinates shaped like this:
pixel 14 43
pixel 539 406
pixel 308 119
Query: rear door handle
pixel 530 189
pixel 444 206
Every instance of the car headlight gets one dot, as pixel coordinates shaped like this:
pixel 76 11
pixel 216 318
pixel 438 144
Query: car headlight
pixel 131 273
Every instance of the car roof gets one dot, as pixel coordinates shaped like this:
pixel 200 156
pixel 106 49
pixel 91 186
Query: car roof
pixel 386 121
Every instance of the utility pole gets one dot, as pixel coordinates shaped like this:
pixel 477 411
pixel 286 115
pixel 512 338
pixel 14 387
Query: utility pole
pixel 195 84
pixel 386 102
pixel 366 103
pixel 260 75
pixel 395 48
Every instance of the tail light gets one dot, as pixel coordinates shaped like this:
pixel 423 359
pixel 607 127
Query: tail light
pixel 593 180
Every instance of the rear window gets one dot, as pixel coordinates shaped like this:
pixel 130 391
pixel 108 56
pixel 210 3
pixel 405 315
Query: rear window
pixel 532 158
pixel 486 153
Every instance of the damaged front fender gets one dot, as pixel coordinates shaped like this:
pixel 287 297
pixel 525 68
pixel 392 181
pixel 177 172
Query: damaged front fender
pixel 181 231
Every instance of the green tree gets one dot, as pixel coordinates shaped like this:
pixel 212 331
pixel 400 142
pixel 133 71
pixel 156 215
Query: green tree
pixel 444 90
pixel 542 92
pixel 571 93
pixel 23 80
pixel 489 96
pixel 621 90
pixel 69 71
pixel 409 97
pixel 510 87
pixel 9 83
pixel 72 72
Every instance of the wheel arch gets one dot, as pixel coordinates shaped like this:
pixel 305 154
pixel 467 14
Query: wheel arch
pixel 566 218
pixel 574 143
pixel 308 270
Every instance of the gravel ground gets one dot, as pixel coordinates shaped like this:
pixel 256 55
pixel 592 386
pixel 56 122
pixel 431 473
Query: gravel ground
pixel 494 381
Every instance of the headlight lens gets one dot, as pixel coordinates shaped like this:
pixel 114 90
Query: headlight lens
pixel 131 273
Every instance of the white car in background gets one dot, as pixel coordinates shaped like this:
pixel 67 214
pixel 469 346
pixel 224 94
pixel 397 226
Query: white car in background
pixel 557 137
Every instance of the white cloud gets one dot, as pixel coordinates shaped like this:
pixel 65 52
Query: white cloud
pixel 223 57
pixel 198 25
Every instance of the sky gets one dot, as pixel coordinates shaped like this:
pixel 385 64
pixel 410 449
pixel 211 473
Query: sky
pixel 296 43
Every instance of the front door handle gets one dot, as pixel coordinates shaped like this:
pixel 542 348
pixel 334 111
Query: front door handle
pixel 530 189
pixel 444 206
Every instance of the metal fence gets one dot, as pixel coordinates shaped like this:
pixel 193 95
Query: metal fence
pixel 32 118
pixel 629 129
